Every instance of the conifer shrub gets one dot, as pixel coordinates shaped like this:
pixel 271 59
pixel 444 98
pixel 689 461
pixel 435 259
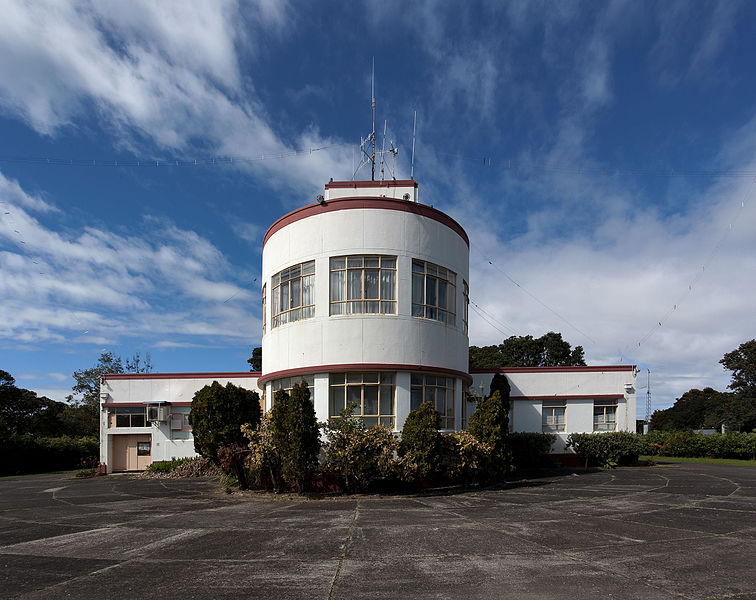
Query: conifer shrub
pixel 421 449
pixel 489 424
pixel 295 434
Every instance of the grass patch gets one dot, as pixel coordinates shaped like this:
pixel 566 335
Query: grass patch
pixel 702 461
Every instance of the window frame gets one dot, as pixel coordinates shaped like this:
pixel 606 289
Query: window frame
pixel 285 279
pixel 427 384
pixel 603 405
pixel 130 412
pixel 551 407
pixel 368 305
pixel 433 278
pixel 384 382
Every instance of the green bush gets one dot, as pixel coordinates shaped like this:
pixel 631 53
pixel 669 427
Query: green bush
pixel 359 454
pixel 529 450
pixel 217 415
pixel 264 461
pixel 29 454
pixel 466 457
pixel 421 449
pixel 696 445
pixel 166 466
pixel 607 449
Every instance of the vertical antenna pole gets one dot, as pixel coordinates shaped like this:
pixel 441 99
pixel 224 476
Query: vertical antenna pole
pixel 383 147
pixel 412 168
pixel 648 397
pixel 372 98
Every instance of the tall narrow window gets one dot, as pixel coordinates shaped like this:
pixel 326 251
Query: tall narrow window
pixel 264 318
pixel 437 390
pixel 293 294
pixel 363 284
pixel 466 308
pixel 434 292
pixel 604 415
pixel 372 395
pixel 552 413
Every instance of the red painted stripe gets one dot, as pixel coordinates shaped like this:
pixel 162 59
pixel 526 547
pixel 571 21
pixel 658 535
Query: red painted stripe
pixel 593 369
pixel 145 403
pixel 364 202
pixel 235 375
pixel 571 397
pixel 351 367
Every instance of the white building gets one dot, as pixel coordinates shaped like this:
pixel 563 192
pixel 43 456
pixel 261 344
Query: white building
pixel 365 297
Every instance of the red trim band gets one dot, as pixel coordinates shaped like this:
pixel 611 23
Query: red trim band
pixel 237 375
pixel 146 403
pixel 351 367
pixel 571 397
pixel 505 370
pixel 363 202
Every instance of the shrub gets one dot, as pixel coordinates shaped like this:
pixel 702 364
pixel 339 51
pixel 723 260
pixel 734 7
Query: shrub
pixel 295 433
pixel 421 448
pixel 29 454
pixel 217 415
pixel 607 449
pixel 690 444
pixel 166 466
pixel 263 460
pixel 467 457
pixel 359 454
pixel 529 450
pixel 489 424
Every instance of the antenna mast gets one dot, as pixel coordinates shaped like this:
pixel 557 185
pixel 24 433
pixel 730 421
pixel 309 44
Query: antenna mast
pixel 648 397
pixel 372 135
pixel 414 125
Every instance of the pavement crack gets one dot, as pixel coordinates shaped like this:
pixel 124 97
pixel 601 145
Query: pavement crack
pixel 344 548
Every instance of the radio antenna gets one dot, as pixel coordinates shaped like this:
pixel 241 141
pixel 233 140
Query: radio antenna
pixel 412 168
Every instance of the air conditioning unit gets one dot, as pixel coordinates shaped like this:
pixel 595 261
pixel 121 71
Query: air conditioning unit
pixel 157 412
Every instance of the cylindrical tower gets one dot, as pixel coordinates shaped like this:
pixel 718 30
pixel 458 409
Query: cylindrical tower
pixel 365 297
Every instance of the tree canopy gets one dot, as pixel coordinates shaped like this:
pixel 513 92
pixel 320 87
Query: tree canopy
pixel 255 361
pixel 549 350
pixel 742 363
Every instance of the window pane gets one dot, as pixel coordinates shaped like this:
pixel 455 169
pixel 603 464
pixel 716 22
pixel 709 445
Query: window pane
pixel 417 379
pixel 372 261
pixel 308 290
pixel 354 377
pixel 308 268
pixel 387 378
pixel 338 285
pixel 417 310
pixel 138 420
pixel 338 262
pixel 354 285
pixel 418 266
pixel 387 400
pixel 338 308
pixel 417 288
pixel 123 420
pixel 336 401
pixel 371 284
pixel 354 396
pixel 296 293
pixel 388 285
pixel 354 261
pixel 388 308
pixel 430 291
pixel 370 400
pixel 354 308
pixel 388 262
pixel 372 307
pixel 284 297
pixel 416 398
pixel 370 377
pixel 371 421
pixel 337 378
pixel 441 293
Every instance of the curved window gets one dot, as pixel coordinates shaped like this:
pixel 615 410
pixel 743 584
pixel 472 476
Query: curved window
pixel 293 294
pixel 437 390
pixel 363 284
pixel 372 395
pixel 434 292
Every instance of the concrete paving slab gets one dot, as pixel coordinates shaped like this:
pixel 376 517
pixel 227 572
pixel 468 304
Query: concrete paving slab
pixel 19 575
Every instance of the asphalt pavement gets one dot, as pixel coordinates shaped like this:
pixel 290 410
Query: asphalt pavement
pixel 669 531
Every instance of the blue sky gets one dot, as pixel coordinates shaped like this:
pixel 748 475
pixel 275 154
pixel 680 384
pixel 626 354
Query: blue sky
pixel 600 156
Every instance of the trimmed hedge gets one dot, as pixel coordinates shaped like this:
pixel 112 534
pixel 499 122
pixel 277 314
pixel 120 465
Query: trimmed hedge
pixel 696 445
pixel 530 450
pixel 607 449
pixel 28 454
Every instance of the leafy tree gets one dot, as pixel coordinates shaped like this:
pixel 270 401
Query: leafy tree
pixel 695 409
pixel 295 433
pixel 23 412
pixel 742 363
pixel 421 442
pixel 255 361
pixel 218 414
pixel 489 424
pixel 500 383
pixel 549 350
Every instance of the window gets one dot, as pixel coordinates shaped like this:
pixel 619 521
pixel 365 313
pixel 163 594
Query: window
pixel 604 415
pixel 363 284
pixel 371 393
pixel 466 307
pixel 143 448
pixel 437 390
pixel 180 422
pixel 293 294
pixel 263 300
pixel 128 416
pixel 287 383
pixel 434 292
pixel 553 415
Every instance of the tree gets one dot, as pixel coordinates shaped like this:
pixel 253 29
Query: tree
pixel 500 383
pixel 421 441
pixel 255 361
pixel 549 350
pixel 217 415
pixel 23 412
pixel 295 433
pixel 695 409
pixel 742 363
